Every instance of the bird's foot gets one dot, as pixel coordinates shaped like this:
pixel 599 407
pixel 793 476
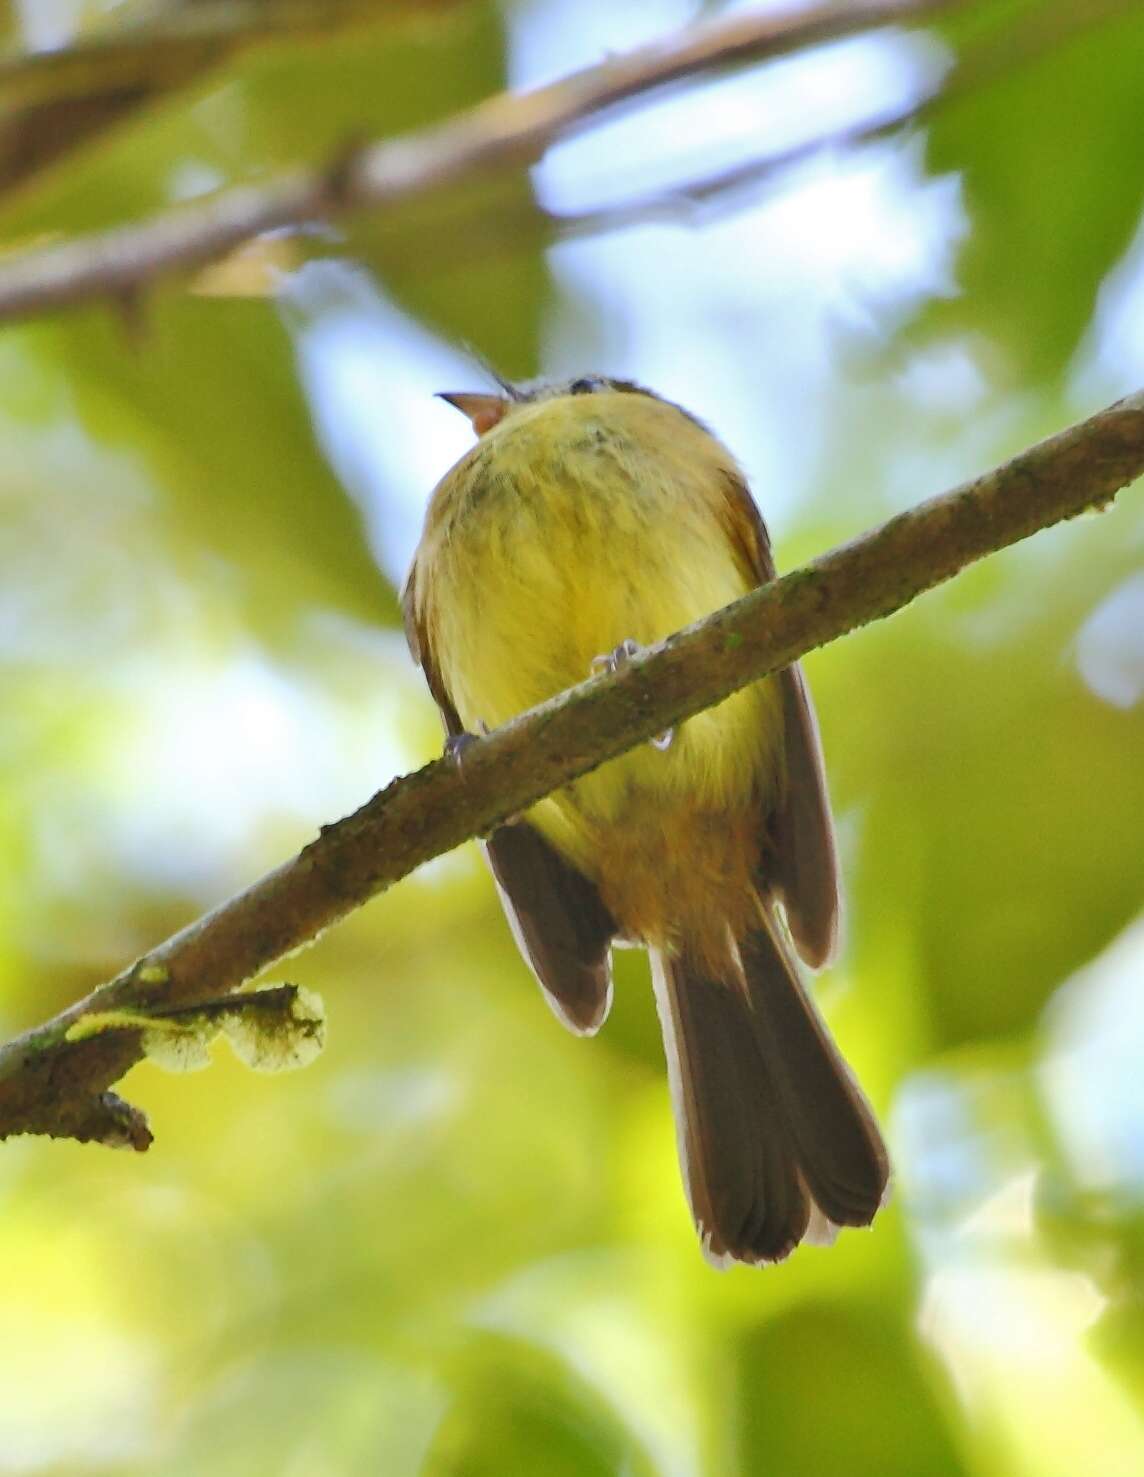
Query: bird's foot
pixel 457 745
pixel 614 661
pixel 618 657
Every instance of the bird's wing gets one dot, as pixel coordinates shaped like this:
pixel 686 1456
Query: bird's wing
pixel 802 869
pixel 557 917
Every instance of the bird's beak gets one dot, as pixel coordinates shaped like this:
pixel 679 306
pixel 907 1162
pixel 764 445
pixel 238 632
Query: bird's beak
pixel 484 411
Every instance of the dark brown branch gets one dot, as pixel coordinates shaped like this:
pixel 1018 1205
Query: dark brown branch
pixel 50 1084
pixel 504 131
pixel 55 102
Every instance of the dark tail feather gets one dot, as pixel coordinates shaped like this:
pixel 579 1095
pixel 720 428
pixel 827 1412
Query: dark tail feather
pixel 775 1136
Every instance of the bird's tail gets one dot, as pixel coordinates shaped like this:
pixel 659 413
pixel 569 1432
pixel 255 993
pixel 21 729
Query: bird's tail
pixel 776 1140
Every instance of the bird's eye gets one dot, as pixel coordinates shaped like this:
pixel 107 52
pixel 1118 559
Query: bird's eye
pixel 586 386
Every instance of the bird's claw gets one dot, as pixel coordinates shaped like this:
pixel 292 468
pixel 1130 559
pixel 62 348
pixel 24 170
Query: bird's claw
pixel 613 661
pixel 618 657
pixel 457 745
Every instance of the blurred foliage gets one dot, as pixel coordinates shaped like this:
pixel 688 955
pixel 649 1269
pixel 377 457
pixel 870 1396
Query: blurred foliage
pixel 458 1243
pixel 56 101
pixel 1043 215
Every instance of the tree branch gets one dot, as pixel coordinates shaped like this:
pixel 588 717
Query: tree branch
pixel 700 200
pixel 502 226
pixel 53 1083
pixel 504 131
pixel 53 102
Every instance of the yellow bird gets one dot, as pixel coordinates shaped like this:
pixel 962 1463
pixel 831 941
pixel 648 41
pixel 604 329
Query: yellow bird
pixel 592 517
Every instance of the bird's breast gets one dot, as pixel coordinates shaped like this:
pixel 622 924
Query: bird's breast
pixel 550 556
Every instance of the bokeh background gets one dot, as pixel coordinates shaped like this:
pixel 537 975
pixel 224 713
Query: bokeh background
pixel 458 1243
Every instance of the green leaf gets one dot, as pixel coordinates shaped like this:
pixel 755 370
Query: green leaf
pixel 1052 164
pixel 824 1390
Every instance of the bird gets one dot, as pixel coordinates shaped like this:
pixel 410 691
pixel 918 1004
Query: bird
pixel 592 518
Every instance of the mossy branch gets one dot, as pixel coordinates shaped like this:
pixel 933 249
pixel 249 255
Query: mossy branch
pixel 55 1079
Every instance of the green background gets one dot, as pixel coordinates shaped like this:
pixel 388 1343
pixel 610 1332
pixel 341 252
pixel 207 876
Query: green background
pixel 458 1242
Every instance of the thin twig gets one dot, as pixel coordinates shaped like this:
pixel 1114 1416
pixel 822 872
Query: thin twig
pixel 504 131
pixel 697 201
pixel 502 224
pixel 52 1085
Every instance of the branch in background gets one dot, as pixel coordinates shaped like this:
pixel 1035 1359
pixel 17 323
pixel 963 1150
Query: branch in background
pixel 55 1079
pixel 55 102
pixel 697 201
pixel 503 225
pixel 507 130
